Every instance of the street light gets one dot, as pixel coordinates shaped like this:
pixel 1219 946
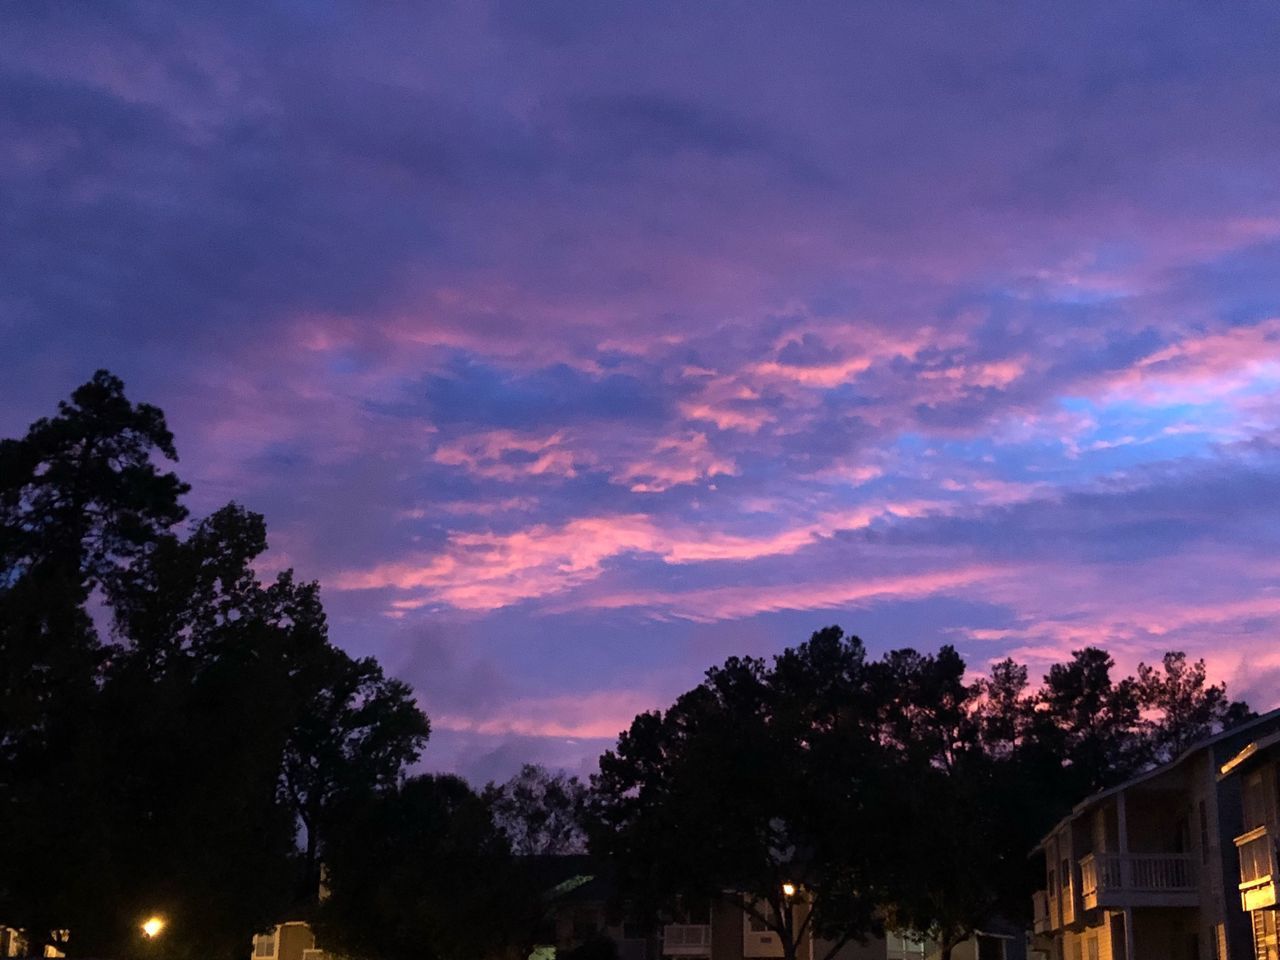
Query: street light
pixel 152 927
pixel 788 890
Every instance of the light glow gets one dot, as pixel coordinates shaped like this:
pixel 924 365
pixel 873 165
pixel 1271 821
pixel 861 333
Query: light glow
pixel 152 927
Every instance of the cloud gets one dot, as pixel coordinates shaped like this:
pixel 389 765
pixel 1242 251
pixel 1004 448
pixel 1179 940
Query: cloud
pixel 675 323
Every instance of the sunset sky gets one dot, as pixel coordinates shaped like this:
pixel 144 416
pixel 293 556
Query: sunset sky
pixel 574 346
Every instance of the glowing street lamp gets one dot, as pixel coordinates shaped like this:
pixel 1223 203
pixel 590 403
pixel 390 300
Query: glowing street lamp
pixel 788 890
pixel 152 927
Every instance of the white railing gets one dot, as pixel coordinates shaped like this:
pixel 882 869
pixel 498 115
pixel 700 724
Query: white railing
pixel 1136 872
pixel 686 939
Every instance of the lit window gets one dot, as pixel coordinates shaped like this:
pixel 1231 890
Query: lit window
pixel 264 945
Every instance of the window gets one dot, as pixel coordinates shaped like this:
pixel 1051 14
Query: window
pixel 1255 859
pixel 1066 875
pixel 992 948
pixel 901 946
pixel 264 945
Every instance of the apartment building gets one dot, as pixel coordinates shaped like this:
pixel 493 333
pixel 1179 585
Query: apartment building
pixel 1254 775
pixel 1148 870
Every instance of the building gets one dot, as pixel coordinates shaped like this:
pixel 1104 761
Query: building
pixel 292 940
pixel 1254 774
pixel 1147 870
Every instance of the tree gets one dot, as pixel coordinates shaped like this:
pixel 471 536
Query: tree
pixel 967 810
pixel 1181 706
pixel 746 788
pixel 81 498
pixel 157 770
pixel 358 733
pixel 540 812
pixel 420 872
pixel 1092 723
pixel 200 703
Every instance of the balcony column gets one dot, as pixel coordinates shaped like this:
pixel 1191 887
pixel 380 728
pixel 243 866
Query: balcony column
pixel 1122 828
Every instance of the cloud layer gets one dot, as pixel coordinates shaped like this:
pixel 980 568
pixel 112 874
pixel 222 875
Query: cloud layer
pixel 574 346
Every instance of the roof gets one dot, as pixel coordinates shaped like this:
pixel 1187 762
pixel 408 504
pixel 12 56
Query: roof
pixel 1154 772
pixel 1251 750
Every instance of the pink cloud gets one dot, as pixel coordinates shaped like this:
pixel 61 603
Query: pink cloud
pixel 675 461
pixel 600 714
pixel 485 571
pixel 735 602
pixel 488 454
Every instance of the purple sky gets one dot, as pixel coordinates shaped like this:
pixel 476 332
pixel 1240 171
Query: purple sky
pixel 576 345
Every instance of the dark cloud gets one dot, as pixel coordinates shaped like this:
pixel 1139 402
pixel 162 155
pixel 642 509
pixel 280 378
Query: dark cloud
pixel 956 322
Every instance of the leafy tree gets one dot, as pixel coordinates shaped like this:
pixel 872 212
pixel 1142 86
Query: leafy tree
pixel 80 499
pixel 966 813
pixel 358 733
pixel 748 782
pixel 420 872
pixel 202 700
pixel 1182 707
pixel 1092 723
pixel 158 770
pixel 540 812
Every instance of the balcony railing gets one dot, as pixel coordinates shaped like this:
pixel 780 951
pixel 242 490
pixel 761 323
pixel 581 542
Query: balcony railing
pixel 686 940
pixel 1040 911
pixel 1258 872
pixel 1137 879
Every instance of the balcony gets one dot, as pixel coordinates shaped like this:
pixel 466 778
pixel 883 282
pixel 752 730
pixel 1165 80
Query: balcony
pixel 1069 904
pixel 1258 872
pixel 1040 912
pixel 686 940
pixel 1138 880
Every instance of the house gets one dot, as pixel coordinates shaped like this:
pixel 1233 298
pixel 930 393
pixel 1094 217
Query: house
pixel 1147 870
pixel 292 940
pixel 1253 775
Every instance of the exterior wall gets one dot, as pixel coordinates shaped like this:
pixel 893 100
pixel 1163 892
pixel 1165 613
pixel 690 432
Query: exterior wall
pixel 1186 811
pixel 1080 944
pixel 1262 770
pixel 872 949
pixel 726 932
pixel 289 941
pixel 1166 935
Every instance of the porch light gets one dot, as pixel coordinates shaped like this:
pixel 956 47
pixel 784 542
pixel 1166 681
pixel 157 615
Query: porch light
pixel 152 927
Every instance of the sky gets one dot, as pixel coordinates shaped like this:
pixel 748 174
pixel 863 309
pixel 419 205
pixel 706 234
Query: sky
pixel 576 345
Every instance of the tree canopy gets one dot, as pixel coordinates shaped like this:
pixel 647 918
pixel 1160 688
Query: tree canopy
pixel 540 812
pixel 167 719
pixel 893 792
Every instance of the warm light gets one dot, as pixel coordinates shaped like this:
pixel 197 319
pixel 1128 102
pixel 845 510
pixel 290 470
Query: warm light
pixel 788 889
pixel 152 927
